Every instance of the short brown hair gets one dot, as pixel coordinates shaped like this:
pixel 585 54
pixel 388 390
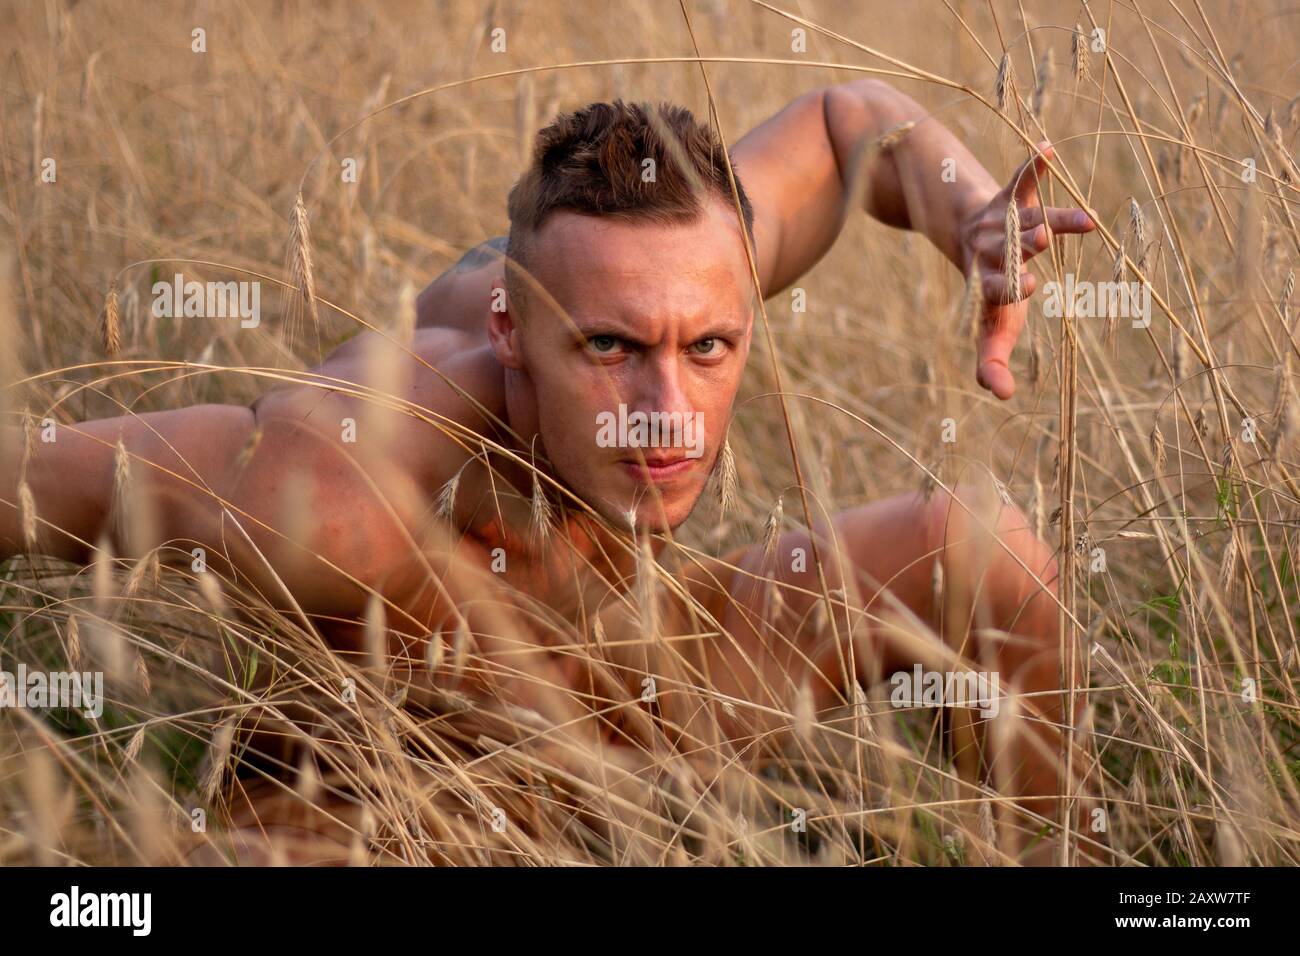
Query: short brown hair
pixel 591 161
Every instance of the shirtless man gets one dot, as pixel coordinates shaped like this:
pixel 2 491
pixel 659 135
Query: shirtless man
pixel 612 290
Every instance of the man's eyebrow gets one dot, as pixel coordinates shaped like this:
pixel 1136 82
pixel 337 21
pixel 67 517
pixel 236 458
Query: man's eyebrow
pixel 590 328
pixel 605 325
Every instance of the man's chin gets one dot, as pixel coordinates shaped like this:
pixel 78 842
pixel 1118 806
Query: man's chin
pixel 659 524
pixel 674 514
pixel 656 515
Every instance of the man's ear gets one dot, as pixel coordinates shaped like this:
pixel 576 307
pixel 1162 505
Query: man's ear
pixel 749 333
pixel 503 328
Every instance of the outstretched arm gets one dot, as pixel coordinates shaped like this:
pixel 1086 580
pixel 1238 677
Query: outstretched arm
pixel 808 167
pixel 313 492
pixel 182 460
pixel 799 169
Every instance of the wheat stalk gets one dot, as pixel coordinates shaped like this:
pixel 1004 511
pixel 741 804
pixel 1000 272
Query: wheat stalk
pixel 726 480
pixel 132 752
pixel 27 513
pixel 302 275
pixel 110 330
pixel 121 489
pixel 218 756
pixel 434 652
pixel 74 643
pixel 772 531
pixel 1138 229
pixel 1042 84
pixel 1079 64
pixel 1157 442
pixel 1011 260
pixel 541 514
pixel 1002 87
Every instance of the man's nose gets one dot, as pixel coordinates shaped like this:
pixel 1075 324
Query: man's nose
pixel 659 388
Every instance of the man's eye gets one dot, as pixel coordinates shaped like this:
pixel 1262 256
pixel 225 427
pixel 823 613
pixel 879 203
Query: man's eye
pixel 707 346
pixel 603 344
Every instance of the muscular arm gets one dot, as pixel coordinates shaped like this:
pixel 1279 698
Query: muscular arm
pixel 181 460
pixel 815 163
pixel 798 169
pixel 805 168
pixel 274 493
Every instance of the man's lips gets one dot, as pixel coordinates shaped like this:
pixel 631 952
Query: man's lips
pixel 658 468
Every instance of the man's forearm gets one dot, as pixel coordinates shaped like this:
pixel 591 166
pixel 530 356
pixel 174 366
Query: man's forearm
pixel 174 460
pixel 65 480
pixel 927 181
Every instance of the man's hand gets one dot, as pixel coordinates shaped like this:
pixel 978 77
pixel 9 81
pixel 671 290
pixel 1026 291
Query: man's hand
pixel 984 245
pixel 799 168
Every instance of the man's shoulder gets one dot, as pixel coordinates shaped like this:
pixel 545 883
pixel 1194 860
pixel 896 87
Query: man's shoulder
pixel 454 371
pixel 414 393
pixel 434 361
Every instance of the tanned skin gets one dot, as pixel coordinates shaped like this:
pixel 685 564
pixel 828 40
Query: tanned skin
pixel 659 317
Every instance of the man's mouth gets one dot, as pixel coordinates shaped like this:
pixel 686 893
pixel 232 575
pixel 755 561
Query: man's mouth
pixel 658 468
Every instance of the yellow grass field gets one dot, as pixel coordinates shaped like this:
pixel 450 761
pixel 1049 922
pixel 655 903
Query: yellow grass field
pixel 1161 461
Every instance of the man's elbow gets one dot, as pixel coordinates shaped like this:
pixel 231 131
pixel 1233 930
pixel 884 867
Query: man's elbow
pixel 883 105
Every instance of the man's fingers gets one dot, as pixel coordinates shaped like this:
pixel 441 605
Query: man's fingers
pixel 994 375
pixel 992 250
pixel 997 291
pixel 998 336
pixel 995 352
pixel 1059 218
pixel 1023 187
pixel 1003 318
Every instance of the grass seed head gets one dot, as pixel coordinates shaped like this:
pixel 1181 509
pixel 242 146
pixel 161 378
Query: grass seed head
pixel 110 331
pixel 1011 260
pixel 1080 66
pixel 1002 88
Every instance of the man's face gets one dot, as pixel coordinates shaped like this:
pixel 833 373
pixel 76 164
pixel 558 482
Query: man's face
pixel 655 318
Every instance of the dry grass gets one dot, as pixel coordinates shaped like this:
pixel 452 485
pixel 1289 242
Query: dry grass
pixel 1127 440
